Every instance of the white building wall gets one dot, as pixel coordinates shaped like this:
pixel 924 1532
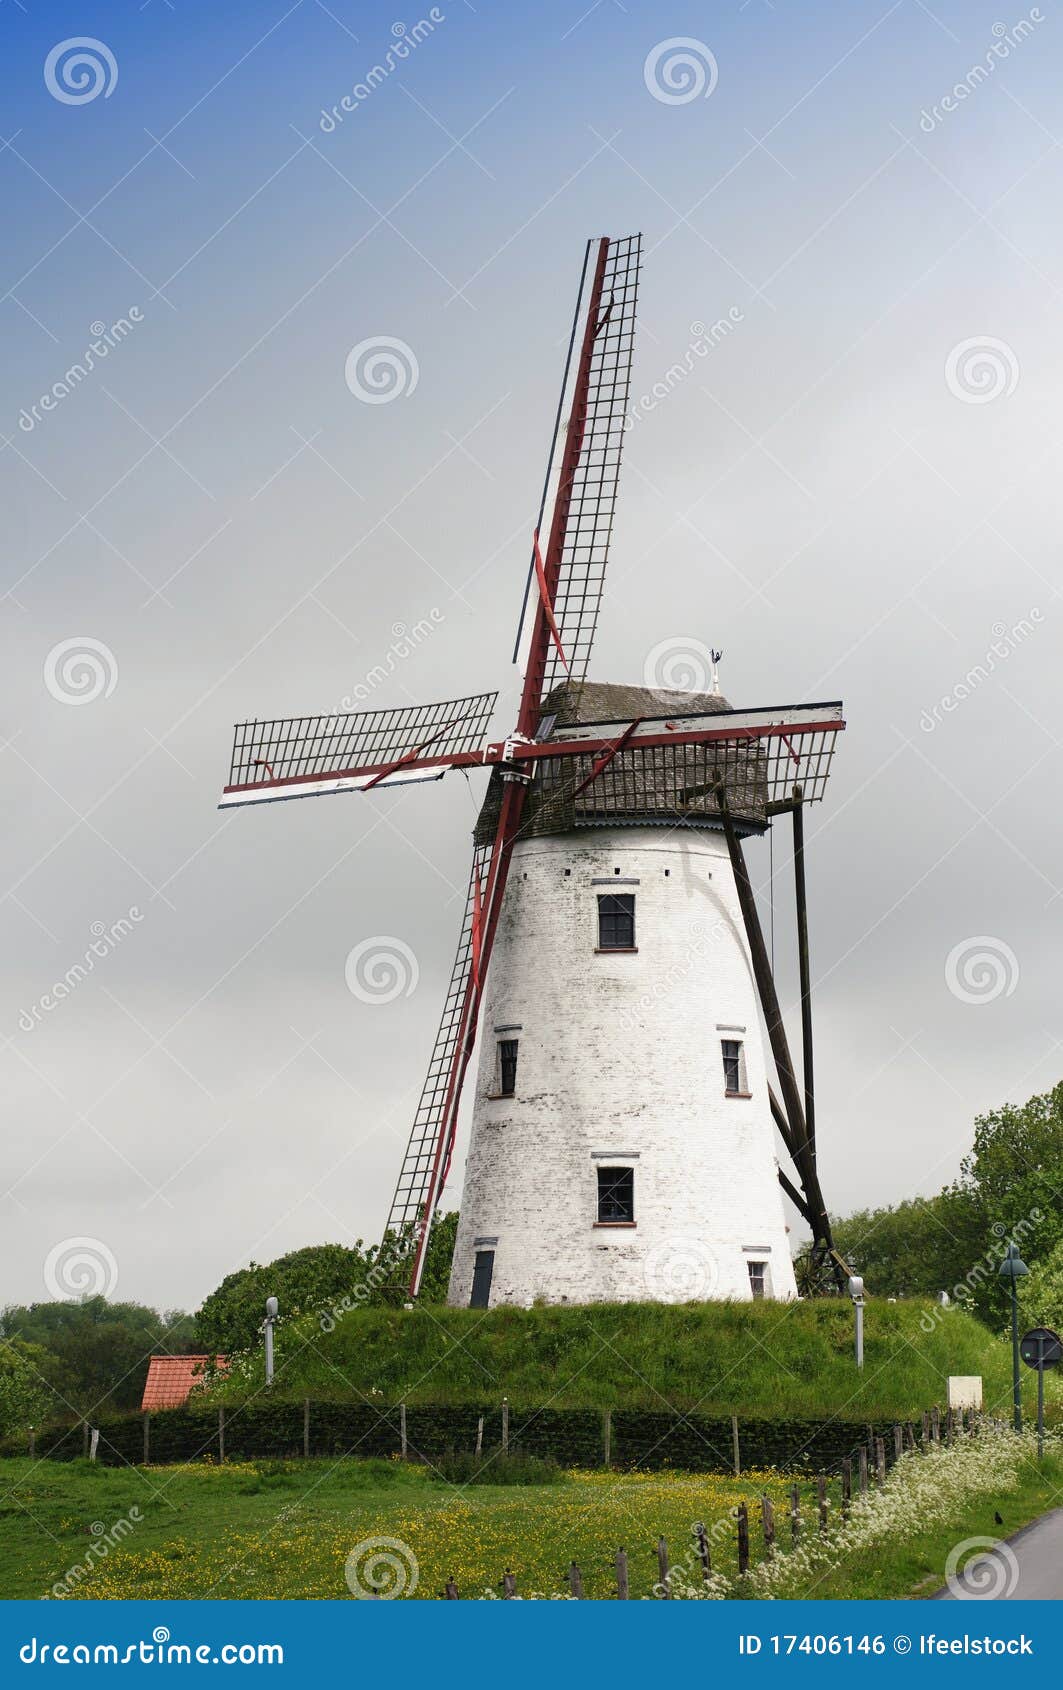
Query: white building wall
pixel 620 1064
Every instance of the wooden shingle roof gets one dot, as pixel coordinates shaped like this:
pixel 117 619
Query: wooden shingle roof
pixel 659 786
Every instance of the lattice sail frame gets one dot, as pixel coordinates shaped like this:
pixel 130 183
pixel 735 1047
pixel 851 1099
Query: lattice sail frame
pixel 592 496
pixel 304 756
pixel 419 1171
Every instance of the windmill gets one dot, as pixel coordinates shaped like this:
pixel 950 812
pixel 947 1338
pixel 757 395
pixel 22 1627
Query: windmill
pixel 623 1119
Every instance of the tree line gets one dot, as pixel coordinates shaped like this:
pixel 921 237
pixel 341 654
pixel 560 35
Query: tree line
pixel 80 1359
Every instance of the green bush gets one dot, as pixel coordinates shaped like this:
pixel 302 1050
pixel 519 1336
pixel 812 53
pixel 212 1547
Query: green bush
pixel 492 1467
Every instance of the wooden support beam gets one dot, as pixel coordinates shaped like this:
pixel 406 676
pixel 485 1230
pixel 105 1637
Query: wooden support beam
pixel 805 971
pixel 769 999
pixel 795 1198
pixel 785 1130
pixel 801 1149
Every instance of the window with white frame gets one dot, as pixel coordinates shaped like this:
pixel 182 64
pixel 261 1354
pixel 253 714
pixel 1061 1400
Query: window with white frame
pixel 758 1279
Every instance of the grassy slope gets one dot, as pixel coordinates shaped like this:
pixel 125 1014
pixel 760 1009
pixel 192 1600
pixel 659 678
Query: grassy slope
pixel 748 1358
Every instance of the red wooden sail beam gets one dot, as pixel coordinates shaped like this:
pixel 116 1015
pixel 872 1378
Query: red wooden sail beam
pixel 548 569
pixel 545 601
pixel 520 751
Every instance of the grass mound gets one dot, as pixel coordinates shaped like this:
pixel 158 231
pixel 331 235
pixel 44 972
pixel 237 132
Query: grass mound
pixel 755 1359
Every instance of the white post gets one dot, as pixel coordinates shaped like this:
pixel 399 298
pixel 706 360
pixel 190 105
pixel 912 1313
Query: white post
pixel 856 1292
pixel 267 1327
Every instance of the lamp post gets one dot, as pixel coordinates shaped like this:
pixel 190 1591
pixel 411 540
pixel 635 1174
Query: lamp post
pixel 267 1327
pixel 856 1292
pixel 1013 1268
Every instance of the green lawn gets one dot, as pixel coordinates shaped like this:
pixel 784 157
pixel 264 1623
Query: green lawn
pixel 285 1530
pixel 752 1359
pixel 277 1530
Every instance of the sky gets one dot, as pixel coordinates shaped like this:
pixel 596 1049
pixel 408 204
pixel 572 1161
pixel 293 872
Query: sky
pixel 305 469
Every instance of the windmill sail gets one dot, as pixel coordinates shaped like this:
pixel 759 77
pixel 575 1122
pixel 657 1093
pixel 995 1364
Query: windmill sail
pixel 590 493
pixel 424 1166
pixel 568 576
pixel 308 756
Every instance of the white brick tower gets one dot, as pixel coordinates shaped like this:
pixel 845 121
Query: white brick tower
pixel 622 1142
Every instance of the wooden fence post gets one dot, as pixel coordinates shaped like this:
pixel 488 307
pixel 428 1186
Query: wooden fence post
pixel 935 1425
pixel 847 1486
pixel 662 1570
pixel 147 1438
pixel 450 1591
pixel 505 1425
pixel 737 1453
pixel 33 1442
pixel 403 1446
pixel 575 1581
pixel 880 1460
pixel 743 1538
pixel 767 1516
pixel 821 1499
pixel 703 1550
pixel 925 1422
pixel 509 1585
pixel 607 1437
pixel 480 1435
pixel 621 1576
pixel 221 1434
pixel 898 1442
pixel 306 1428
pixel 795 1514
pixel 861 1470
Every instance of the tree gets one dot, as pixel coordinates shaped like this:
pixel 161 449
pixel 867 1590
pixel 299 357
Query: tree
pixel 1016 1170
pixel 1041 1296
pixel 304 1281
pixel 25 1396
pixel 916 1249
pixel 1010 1188
pixel 322 1279
pixel 96 1352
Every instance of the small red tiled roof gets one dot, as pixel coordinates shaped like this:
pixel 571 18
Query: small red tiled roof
pixel 171 1378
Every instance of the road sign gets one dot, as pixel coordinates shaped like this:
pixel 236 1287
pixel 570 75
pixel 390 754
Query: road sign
pixel 1041 1347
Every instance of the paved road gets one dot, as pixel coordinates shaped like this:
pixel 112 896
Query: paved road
pixel 1023 1568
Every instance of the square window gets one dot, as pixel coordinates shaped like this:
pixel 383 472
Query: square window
pixel 734 1066
pixel 616 921
pixel 616 1195
pixel 758 1274
pixel 507 1067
